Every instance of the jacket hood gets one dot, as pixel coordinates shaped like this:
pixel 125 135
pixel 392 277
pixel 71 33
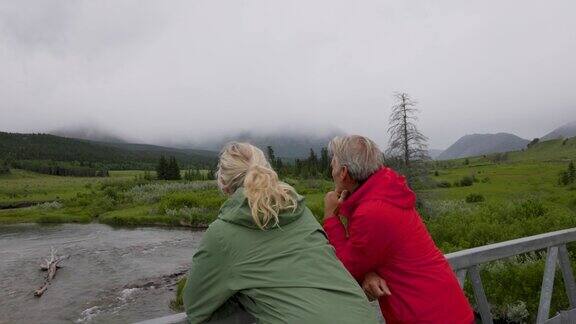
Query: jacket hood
pixel 236 210
pixel 385 185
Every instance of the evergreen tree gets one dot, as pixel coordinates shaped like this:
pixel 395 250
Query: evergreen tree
pixel 4 168
pixel 212 173
pixel 325 162
pixel 173 170
pixel 298 167
pixel 271 156
pixel 188 175
pixel 162 169
pixel 571 172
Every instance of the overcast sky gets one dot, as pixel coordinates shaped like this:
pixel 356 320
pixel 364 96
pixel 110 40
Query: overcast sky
pixel 159 71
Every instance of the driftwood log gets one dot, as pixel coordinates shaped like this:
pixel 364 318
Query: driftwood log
pixel 50 265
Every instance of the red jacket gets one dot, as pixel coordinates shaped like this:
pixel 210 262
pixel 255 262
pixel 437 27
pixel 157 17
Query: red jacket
pixel 387 236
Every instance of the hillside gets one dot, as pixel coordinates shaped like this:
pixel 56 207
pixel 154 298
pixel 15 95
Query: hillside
pixel 480 144
pixel 116 155
pixel 553 150
pixel 434 153
pixel 564 131
pixel 290 145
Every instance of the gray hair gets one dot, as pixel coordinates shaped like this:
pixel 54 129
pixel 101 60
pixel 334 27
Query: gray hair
pixel 359 154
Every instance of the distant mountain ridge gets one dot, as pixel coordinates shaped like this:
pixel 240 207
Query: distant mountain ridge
pixel 564 131
pixel 291 144
pixel 19 146
pixel 285 145
pixel 480 144
pixel 90 133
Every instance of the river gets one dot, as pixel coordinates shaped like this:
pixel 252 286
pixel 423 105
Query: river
pixel 112 276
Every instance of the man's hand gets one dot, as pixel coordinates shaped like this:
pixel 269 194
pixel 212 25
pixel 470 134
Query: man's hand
pixel 331 202
pixel 375 287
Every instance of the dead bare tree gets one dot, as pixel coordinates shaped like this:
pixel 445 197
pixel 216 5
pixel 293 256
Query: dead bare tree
pixel 50 265
pixel 406 141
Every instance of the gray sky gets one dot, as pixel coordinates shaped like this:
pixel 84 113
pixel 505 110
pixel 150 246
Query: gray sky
pixel 160 71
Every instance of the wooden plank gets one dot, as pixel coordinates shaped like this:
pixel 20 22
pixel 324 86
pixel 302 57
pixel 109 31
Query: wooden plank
pixel 567 274
pixel 467 258
pixel 547 285
pixel 480 295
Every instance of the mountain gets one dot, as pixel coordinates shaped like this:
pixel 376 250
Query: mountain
pixel 288 145
pixel 88 132
pixel 433 153
pixel 565 131
pixel 479 144
pixel 114 155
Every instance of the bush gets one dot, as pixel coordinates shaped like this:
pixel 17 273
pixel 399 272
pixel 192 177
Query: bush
pixel 152 192
pixel 4 168
pixel 193 216
pixel 530 208
pixel 569 176
pixel 49 205
pixel 209 199
pixel 474 198
pixel 443 184
pixel 466 181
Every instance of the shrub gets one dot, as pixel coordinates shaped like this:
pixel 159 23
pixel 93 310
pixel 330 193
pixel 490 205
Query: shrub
pixel 194 217
pixel 210 199
pixel 474 198
pixel 569 176
pixel 152 192
pixel 466 181
pixel 49 205
pixel 530 208
pixel 443 184
pixel 533 142
pixel 4 168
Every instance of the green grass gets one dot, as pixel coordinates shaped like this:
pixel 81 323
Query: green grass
pixel 503 182
pixel 22 186
pixel 35 215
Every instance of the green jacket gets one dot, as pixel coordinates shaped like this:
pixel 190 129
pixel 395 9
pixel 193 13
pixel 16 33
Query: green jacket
pixel 286 274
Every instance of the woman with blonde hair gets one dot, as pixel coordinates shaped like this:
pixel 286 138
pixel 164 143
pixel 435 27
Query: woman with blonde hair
pixel 267 255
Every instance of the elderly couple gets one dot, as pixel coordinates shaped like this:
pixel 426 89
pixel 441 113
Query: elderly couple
pixel 267 255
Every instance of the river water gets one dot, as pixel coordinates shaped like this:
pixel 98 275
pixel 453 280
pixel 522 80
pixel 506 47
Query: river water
pixel 112 275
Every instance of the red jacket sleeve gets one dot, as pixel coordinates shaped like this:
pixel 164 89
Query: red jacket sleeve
pixel 362 250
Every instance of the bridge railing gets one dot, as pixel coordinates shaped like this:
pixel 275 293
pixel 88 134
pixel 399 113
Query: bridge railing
pixel 466 263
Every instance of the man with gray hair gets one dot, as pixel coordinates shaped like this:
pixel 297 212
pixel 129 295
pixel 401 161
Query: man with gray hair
pixel 384 244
